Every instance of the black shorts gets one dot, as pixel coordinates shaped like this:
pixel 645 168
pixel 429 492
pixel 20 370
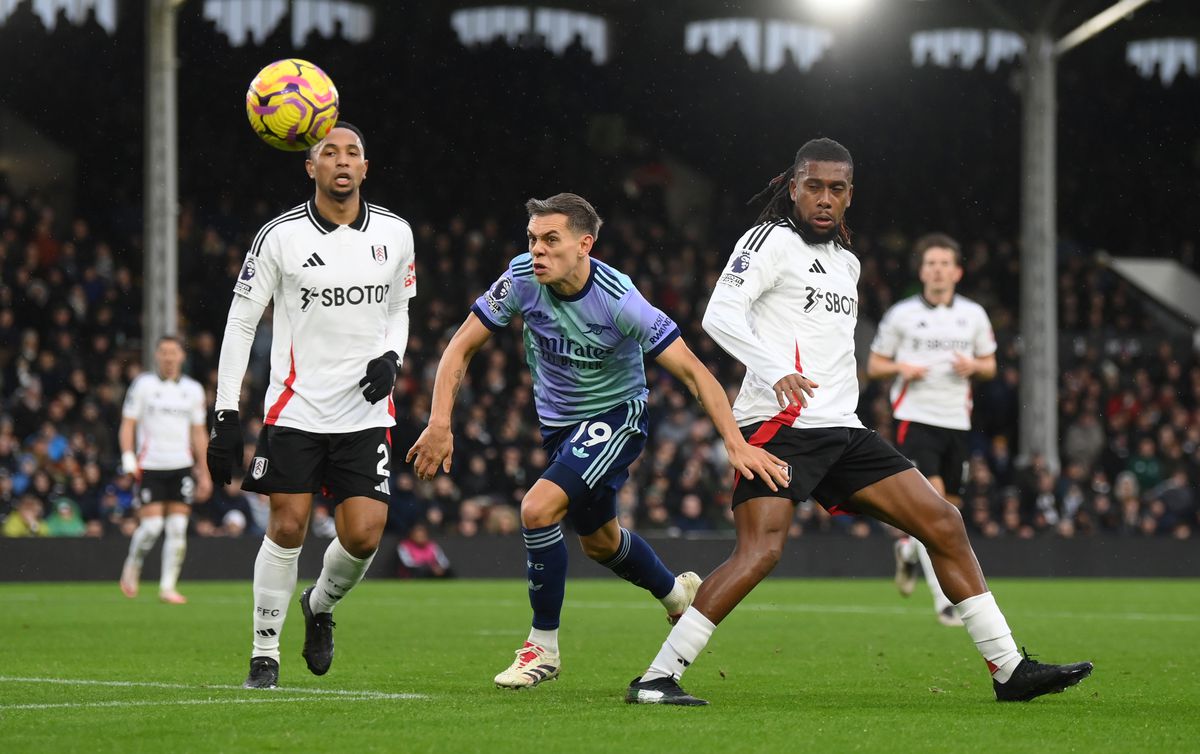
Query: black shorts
pixel 828 464
pixel 936 451
pixel 349 464
pixel 170 486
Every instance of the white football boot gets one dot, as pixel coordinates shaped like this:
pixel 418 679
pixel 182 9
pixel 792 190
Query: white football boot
pixel 532 666
pixel 680 598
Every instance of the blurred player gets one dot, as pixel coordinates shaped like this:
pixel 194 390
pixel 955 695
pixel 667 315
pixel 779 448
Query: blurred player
pixel 934 342
pixel 786 307
pixel 587 331
pixel 164 419
pixel 340 274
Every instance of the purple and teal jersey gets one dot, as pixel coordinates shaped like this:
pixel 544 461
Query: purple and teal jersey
pixel 585 351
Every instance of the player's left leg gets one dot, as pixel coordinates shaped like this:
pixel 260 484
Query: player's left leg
pixel 359 522
pixel 908 502
pixel 629 556
pixel 174 550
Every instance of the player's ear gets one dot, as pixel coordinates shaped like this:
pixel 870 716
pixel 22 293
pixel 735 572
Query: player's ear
pixel 366 164
pixel 308 168
pixel 585 243
pixel 792 190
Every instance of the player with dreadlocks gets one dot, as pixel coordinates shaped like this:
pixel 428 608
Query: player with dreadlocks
pixel 786 307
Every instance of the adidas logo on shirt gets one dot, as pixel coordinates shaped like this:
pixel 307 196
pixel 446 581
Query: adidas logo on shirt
pixel 817 267
pixel 314 261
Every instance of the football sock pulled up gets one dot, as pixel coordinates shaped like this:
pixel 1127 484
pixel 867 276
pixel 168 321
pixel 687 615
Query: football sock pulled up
pixel 274 582
pixel 340 573
pixel 546 571
pixel 684 644
pixel 991 634
pixel 636 562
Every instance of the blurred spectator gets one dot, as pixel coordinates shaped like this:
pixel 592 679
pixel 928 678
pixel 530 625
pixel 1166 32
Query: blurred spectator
pixel 66 521
pixel 421 557
pixel 26 519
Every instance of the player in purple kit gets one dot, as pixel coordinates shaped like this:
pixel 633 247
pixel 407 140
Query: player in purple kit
pixel 587 330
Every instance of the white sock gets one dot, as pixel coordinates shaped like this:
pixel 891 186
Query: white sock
pixel 143 541
pixel 174 549
pixel 340 573
pixel 940 600
pixel 274 582
pixel 673 596
pixel 684 644
pixel 908 549
pixel 991 634
pixel 546 639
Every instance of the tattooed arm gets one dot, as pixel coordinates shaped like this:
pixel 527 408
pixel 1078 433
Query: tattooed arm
pixel 435 446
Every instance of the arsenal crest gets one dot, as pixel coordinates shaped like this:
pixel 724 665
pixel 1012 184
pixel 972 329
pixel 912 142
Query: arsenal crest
pixel 259 469
pixel 380 253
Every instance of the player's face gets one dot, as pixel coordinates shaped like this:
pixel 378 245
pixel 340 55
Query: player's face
pixel 821 192
pixel 338 164
pixel 939 271
pixel 560 256
pixel 168 357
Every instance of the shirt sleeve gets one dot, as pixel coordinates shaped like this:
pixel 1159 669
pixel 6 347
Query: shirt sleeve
pixel 199 406
pixel 645 323
pixel 244 314
pixel 259 276
pixel 132 408
pixel 748 274
pixel 985 337
pixel 498 305
pixel 405 284
pixel 888 336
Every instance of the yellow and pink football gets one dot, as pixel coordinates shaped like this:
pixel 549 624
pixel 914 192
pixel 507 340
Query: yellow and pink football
pixel 292 104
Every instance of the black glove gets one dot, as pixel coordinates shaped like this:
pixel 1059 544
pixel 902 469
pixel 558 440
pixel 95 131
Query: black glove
pixel 380 377
pixel 225 447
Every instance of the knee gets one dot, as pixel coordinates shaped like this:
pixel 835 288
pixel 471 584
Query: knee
pixel 535 515
pixel 286 531
pixel 946 527
pixel 362 541
pixel 760 558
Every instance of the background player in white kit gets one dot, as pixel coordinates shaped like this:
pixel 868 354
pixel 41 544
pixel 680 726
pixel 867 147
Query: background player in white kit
pixel 933 343
pixel 340 273
pixel 163 435
pixel 787 307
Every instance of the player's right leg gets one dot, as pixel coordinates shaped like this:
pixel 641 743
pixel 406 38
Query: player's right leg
pixel 150 526
pixel 762 524
pixel 538 659
pixel 274 583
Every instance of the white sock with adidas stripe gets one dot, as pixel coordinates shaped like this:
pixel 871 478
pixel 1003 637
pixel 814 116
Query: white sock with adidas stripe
pixel 340 573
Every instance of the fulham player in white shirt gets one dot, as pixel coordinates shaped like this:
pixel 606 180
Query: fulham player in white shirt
pixel 163 440
pixel 786 307
pixel 340 274
pixel 933 344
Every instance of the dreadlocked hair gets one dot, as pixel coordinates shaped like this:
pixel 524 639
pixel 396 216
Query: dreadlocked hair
pixel 779 205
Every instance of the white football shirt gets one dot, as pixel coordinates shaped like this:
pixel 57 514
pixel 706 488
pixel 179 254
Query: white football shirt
pixel 783 306
pixel 917 332
pixel 333 287
pixel 165 412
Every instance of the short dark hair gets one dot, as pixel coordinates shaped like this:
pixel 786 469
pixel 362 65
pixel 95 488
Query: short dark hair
pixel 936 241
pixel 170 339
pixel 581 215
pixel 822 150
pixel 349 127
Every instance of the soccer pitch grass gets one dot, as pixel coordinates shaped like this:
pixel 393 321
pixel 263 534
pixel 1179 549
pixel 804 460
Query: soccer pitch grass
pixel 802 665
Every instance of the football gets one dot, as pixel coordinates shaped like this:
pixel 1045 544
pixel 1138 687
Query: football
pixel 292 104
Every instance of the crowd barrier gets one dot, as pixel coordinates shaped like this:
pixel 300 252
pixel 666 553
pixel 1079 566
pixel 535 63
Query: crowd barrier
pixel 503 557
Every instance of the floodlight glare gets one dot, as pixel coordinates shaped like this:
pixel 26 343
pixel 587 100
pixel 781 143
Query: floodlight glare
pixel 837 10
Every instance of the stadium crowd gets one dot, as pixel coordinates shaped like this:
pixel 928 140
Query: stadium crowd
pixel 70 306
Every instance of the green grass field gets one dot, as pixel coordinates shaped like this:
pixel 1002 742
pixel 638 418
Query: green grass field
pixel 801 666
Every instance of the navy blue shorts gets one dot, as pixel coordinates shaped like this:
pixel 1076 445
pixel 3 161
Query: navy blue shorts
pixel 590 461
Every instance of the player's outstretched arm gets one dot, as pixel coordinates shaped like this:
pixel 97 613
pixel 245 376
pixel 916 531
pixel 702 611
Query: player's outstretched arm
pixel 750 462
pixel 435 446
